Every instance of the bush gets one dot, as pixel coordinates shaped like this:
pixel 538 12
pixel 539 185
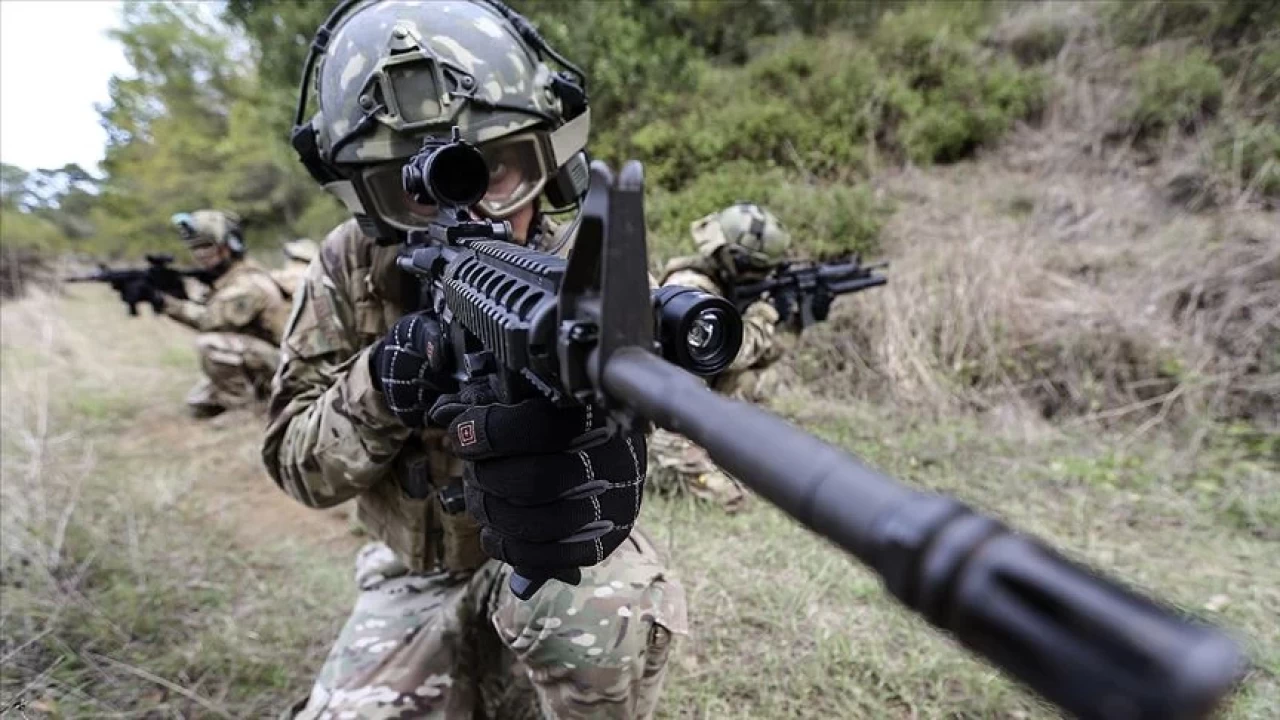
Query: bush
pixel 1251 153
pixel 1222 24
pixel 824 219
pixel 1174 91
pixel 920 89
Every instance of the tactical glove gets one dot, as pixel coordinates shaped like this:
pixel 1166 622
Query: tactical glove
pixel 407 367
pixel 552 488
pixel 821 303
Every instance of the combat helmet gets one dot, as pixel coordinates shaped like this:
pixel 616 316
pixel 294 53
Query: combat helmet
pixel 390 74
pixel 750 234
pixel 211 227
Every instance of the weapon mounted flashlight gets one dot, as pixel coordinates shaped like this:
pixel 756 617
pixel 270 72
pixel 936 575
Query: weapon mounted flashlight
pixel 696 330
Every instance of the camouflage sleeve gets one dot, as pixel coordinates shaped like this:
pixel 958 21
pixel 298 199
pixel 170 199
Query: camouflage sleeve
pixel 330 435
pixel 226 310
pixel 759 321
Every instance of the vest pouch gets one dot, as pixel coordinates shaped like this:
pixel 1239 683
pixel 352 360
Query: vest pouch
pixel 390 512
pixel 369 321
pixel 460 533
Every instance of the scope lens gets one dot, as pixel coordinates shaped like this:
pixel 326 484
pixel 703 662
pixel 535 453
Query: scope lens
pixel 456 175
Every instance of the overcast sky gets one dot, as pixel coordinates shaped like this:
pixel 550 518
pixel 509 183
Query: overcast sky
pixel 55 61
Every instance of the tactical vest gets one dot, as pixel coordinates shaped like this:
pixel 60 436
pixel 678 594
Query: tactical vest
pixel 408 514
pixel 699 263
pixel 270 323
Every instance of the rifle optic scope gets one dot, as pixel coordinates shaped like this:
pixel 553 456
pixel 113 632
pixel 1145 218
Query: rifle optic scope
pixel 698 331
pixel 446 174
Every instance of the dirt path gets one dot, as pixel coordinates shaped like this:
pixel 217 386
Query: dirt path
pixel 228 479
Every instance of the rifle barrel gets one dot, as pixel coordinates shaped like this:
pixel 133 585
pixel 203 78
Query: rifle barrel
pixel 1084 642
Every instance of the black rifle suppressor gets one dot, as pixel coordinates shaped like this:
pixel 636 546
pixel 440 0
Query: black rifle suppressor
pixel 1086 643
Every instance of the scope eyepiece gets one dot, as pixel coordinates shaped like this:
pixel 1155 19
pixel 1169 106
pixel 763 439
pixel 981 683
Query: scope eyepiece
pixel 449 174
pixel 698 331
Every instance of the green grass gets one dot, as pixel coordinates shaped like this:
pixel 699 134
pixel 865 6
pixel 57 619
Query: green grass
pixel 128 589
pixel 123 593
pixel 812 635
pixel 1175 90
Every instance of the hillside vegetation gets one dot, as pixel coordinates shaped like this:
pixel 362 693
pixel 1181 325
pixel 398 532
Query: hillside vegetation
pixel 1081 334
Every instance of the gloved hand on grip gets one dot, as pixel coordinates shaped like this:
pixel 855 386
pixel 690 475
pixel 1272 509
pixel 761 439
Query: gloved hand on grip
pixel 821 303
pixel 407 367
pixel 552 488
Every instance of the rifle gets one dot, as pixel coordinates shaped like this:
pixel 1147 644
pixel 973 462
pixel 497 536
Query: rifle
pixel 132 283
pixel 1084 642
pixel 802 292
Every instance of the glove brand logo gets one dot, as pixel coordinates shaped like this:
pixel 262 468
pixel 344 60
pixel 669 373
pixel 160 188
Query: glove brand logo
pixel 467 433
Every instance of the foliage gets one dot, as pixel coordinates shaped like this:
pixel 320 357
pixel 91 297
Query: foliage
pixel 1212 53
pixel 921 88
pixel 1175 91
pixel 824 219
pixel 687 87
pixel 1223 24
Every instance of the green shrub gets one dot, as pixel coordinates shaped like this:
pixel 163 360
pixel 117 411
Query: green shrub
pixel 1223 24
pixel 824 219
pixel 1174 91
pixel 1251 153
pixel 921 89
pixel 24 230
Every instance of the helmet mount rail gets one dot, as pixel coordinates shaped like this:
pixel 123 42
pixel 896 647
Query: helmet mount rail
pixel 319 140
pixel 570 84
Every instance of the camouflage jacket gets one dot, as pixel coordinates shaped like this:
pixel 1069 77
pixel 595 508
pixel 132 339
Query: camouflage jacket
pixel 290 277
pixel 761 344
pixel 331 437
pixel 244 299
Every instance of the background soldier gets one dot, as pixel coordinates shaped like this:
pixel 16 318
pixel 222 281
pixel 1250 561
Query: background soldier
pixel 240 320
pixel 737 244
pixel 360 408
pixel 298 255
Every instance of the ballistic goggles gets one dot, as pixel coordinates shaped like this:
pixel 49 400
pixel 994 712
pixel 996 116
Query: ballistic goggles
pixel 517 174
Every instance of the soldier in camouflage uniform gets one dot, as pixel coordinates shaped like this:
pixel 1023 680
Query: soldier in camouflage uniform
pixel 239 321
pixel 739 243
pixel 359 411
pixel 297 256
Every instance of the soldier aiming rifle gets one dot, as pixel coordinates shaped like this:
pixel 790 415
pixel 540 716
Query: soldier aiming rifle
pixel 740 250
pixel 141 285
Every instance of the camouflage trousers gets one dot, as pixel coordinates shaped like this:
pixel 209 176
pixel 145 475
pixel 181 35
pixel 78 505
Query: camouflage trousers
pixel 754 385
pixel 237 371
pixel 678 466
pixel 462 646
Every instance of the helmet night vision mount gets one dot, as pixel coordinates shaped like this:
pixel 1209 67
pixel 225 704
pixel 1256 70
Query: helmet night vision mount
pixel 413 88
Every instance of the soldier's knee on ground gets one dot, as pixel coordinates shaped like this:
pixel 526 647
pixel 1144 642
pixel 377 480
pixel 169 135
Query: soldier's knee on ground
pixel 678 466
pixel 599 649
pixel 397 655
pixel 239 367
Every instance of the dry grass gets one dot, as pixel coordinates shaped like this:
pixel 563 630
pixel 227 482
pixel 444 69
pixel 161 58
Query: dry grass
pixel 130 585
pixel 1072 287
pixel 1067 341
pixel 1070 271
pixel 135 584
pixel 785 627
